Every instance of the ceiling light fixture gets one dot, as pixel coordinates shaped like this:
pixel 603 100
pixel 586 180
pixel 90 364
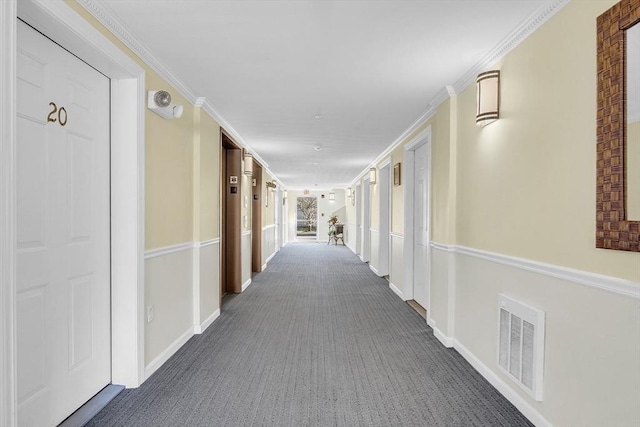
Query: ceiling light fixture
pixel 332 196
pixel 317 148
pixel 488 97
pixel 318 116
pixel 372 175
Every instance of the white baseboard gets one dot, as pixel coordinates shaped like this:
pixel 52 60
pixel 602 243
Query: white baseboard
pixel 167 353
pixel 512 396
pixel 397 291
pixel 264 267
pixel 198 329
pixel 430 321
pixel 445 340
pixel 374 270
pixel 270 258
pixel 245 285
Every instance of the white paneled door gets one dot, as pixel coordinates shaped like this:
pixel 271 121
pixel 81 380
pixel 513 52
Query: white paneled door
pixel 63 235
pixel 421 227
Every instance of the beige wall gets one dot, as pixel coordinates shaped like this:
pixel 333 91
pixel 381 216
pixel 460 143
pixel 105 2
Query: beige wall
pixel 168 173
pixel 209 160
pixel 268 213
pixel 397 193
pixel 527 181
pixel 181 205
pixel 168 160
pixel 524 187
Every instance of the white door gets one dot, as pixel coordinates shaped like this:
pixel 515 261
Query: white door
pixel 356 196
pixel 366 221
pixel 421 227
pixel 63 235
pixel 384 212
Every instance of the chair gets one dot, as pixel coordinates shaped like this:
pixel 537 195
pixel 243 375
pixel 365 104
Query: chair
pixel 336 232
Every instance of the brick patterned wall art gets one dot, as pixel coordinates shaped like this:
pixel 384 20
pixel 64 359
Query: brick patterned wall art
pixel 613 230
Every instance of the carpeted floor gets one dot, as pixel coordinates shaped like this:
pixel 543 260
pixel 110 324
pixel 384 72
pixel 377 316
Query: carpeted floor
pixel 316 340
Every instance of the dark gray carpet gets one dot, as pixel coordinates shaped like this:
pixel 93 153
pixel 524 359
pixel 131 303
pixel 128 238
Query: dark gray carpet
pixel 316 340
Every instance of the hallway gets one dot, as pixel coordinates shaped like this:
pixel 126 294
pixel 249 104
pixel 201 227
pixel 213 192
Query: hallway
pixel 317 339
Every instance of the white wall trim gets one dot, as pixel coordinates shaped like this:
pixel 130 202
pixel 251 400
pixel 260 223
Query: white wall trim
pixel 245 285
pixel 246 233
pixel 396 235
pixel 442 246
pixel 374 270
pixel 195 283
pixel 526 28
pixel 445 340
pixel 166 250
pixel 269 258
pixel 8 342
pixel 518 401
pixel 207 242
pixel 268 227
pixel 430 112
pixel 198 329
pixel 106 17
pixel 397 291
pixel 385 162
pixel 615 285
pixel 156 363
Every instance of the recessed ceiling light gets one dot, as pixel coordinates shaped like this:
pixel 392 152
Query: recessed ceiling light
pixel 315 163
pixel 318 116
pixel 317 148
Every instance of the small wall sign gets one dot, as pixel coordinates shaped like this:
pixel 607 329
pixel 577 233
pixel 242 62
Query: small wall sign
pixel 233 179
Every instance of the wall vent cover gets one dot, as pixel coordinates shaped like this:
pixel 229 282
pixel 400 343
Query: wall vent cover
pixel 521 344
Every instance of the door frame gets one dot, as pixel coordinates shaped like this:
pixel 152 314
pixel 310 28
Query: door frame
pixel 63 25
pixel 384 226
pixel 358 206
pixel 365 256
pixel 423 138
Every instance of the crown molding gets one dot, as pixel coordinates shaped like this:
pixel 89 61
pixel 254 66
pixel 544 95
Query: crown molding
pixel 106 17
pixel 524 30
pixel 519 34
pixel 99 10
pixel 396 143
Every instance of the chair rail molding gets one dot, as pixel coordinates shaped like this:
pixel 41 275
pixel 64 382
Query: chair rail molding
pixel 624 287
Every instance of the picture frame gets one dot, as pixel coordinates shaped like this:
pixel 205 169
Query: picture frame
pixel 397 180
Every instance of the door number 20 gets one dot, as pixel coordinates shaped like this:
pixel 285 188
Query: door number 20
pixel 61 114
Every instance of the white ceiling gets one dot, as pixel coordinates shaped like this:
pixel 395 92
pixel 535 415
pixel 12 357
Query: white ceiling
pixel 369 68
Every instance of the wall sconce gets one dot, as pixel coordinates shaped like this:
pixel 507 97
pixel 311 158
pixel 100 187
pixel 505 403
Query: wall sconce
pixel 159 101
pixel 349 192
pixel 332 196
pixel 488 97
pixel 372 175
pixel 248 164
pixel 272 185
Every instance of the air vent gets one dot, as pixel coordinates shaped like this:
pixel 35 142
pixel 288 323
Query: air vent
pixel 521 344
